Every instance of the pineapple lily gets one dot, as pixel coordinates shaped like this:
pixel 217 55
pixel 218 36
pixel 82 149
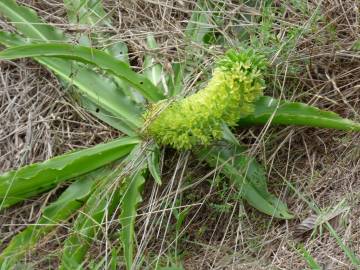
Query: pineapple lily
pixel 230 94
pixel 200 122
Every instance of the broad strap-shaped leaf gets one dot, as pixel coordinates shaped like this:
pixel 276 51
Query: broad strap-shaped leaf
pixel 106 198
pixel 247 176
pixel 228 135
pixel 153 163
pixel 199 24
pixel 33 179
pixel 101 204
pixel 152 70
pixel 111 106
pixel 129 205
pixel 98 94
pixel 89 13
pixel 54 214
pixel 88 55
pixel 123 123
pixel 28 23
pixel 277 112
pixel 175 79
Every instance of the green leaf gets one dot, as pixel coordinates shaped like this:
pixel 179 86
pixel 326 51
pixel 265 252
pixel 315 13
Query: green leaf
pixel 152 70
pixel 277 112
pixel 11 39
pixel 114 109
pixel 356 46
pixel 119 50
pixel 175 80
pixel 90 13
pixel 229 136
pixel 53 215
pixel 125 126
pixel 109 104
pixel 87 14
pixel 247 176
pixel 101 204
pixel 308 258
pixel 30 25
pixel 27 22
pixel 130 202
pixel 199 24
pixel 99 208
pixel 153 160
pixel 33 179
pixel 87 55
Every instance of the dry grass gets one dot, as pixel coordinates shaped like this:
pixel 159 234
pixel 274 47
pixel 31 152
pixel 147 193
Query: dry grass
pixel 39 120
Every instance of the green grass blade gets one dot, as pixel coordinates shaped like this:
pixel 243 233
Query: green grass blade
pixel 28 23
pixel 308 258
pixel 198 27
pixel 54 214
pixel 295 113
pixel 352 256
pixel 88 55
pixel 104 263
pixel 130 202
pixel 33 179
pixel 98 94
pixel 247 176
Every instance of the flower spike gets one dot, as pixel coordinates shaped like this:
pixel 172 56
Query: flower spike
pixel 236 84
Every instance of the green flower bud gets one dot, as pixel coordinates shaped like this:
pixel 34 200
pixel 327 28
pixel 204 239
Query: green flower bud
pixel 197 119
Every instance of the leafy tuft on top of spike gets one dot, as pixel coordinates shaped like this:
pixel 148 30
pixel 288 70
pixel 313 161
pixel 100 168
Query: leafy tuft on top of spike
pixel 236 84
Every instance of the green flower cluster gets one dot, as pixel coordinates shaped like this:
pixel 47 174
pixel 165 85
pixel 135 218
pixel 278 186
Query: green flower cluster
pixel 197 119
